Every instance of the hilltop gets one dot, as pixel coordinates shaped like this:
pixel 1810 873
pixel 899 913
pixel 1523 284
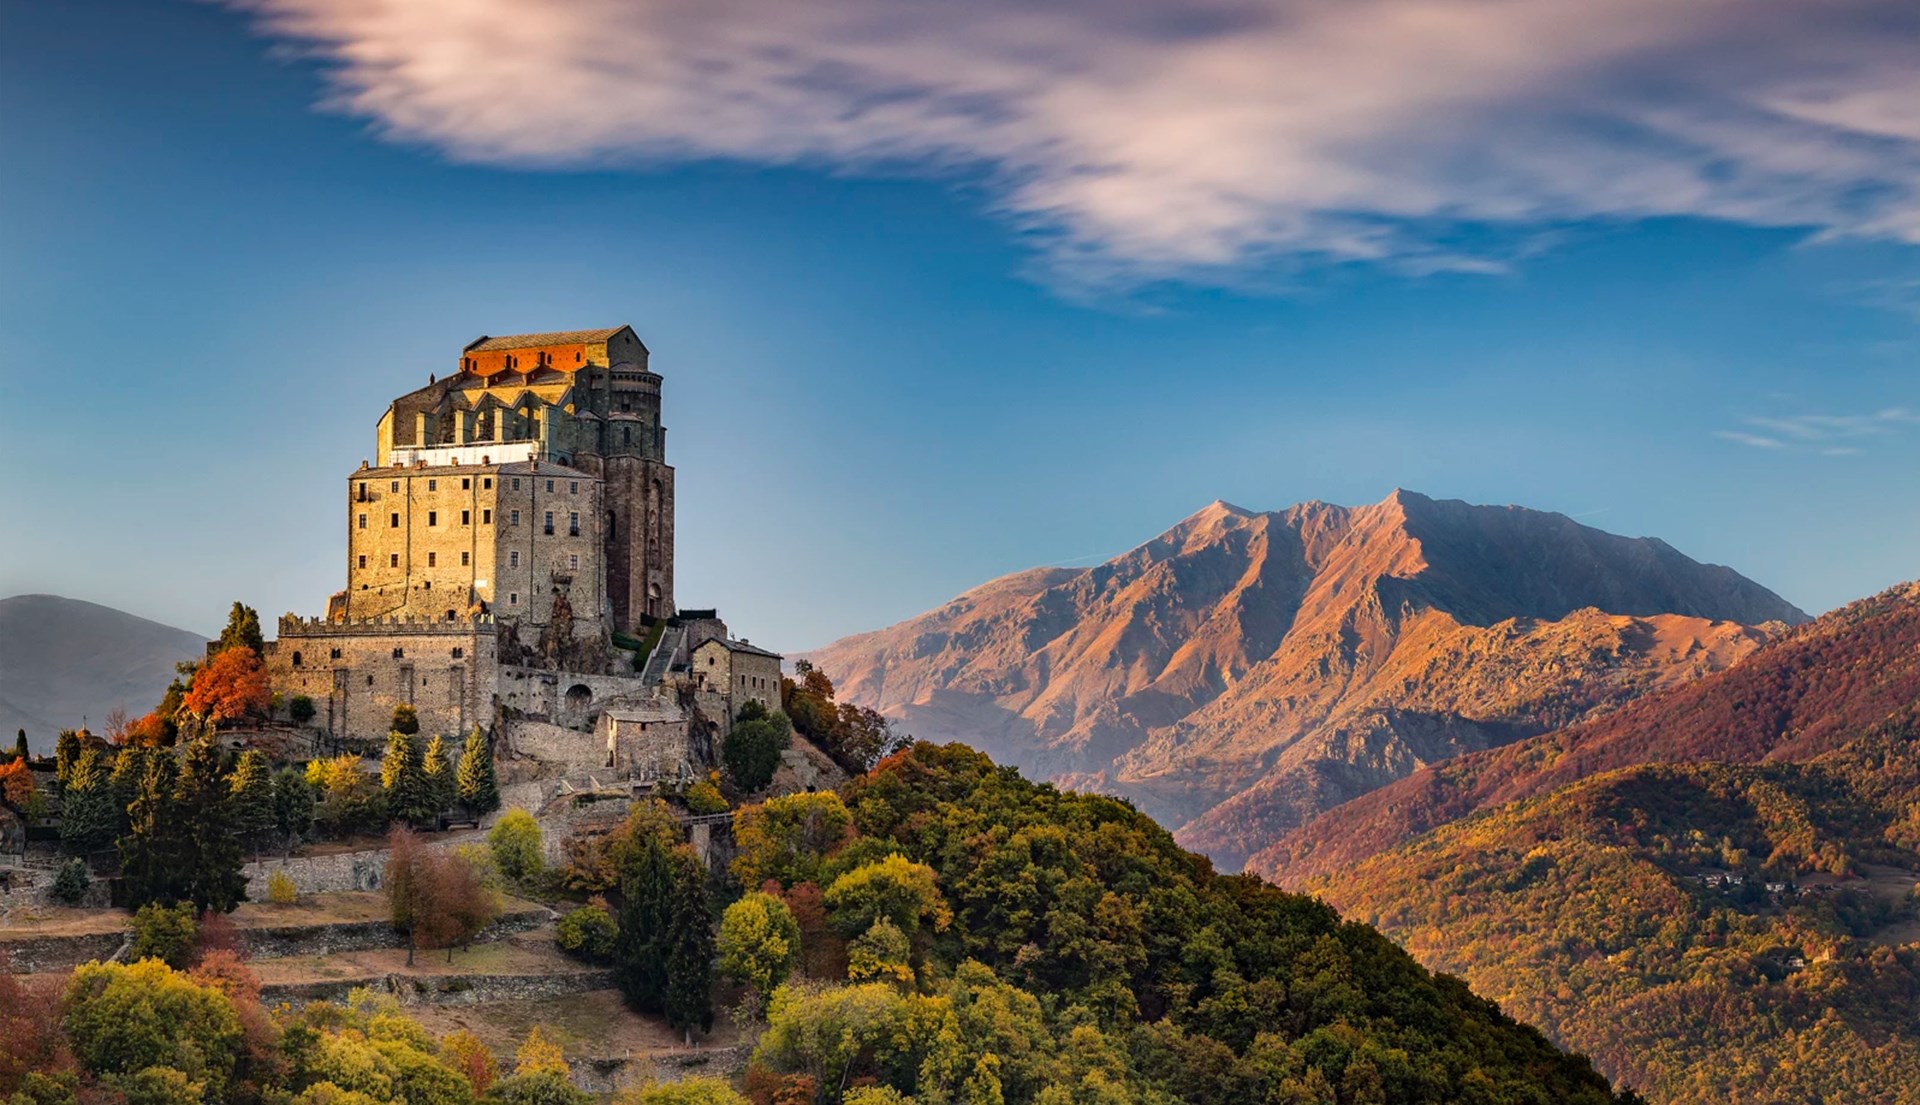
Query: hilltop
pixel 63 659
pixel 1245 670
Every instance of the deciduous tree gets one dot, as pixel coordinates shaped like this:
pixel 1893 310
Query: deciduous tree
pixel 752 747
pixel 759 943
pixel 230 687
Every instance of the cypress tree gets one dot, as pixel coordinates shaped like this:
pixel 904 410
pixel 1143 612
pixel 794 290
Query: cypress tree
pixel 439 771
pixel 20 745
pixel 403 776
pixel 475 785
pixel 209 845
pixel 66 753
pixel 242 631
pixel 689 948
pixel 648 881
pixel 128 767
pixel 88 819
pixel 292 804
pixel 252 798
pixel 150 862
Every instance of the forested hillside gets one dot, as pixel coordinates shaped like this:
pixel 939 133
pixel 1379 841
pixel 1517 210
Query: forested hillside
pixel 1707 932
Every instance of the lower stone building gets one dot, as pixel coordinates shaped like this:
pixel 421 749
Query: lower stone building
pixel 356 672
pixel 647 740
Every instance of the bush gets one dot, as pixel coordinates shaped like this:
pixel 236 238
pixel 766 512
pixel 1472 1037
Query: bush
pixel 165 933
pixel 589 932
pixel 515 840
pixel 704 797
pixel 280 889
pixel 300 709
pixel 71 884
pixel 752 748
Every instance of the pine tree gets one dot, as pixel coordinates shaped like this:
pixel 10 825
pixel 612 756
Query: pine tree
pixel 689 948
pixel 252 798
pixel 66 752
pixel 20 745
pixel 150 862
pixel 209 845
pixel 242 631
pixel 403 776
pixel 292 804
pixel 88 819
pixel 647 896
pixel 128 767
pixel 475 785
pixel 439 770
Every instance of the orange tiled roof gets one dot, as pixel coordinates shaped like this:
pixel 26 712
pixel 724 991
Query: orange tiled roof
pixel 484 344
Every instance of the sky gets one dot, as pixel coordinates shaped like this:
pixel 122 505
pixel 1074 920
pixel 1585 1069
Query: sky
pixel 943 291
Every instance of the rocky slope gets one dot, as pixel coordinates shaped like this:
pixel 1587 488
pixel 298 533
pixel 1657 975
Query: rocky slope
pixel 1802 695
pixel 1246 670
pixel 63 659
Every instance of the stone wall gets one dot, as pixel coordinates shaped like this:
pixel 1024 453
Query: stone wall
pixel 357 672
pixel 572 699
pixel 571 751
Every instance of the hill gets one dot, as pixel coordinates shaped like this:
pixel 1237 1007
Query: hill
pixel 1706 932
pixel 63 659
pixel 1812 690
pixel 1246 670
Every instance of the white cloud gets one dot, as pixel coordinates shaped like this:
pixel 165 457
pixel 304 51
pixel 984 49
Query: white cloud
pixel 1141 140
pixel 1828 434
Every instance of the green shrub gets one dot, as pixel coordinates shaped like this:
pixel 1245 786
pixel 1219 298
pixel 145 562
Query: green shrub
pixel 300 709
pixel 165 933
pixel 71 884
pixel 704 797
pixel 280 889
pixel 516 844
pixel 752 748
pixel 588 932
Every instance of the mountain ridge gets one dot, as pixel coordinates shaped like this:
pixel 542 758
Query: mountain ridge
pixel 62 659
pixel 1242 652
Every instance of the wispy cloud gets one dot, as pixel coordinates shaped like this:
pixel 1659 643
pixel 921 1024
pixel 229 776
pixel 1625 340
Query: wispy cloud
pixel 1140 139
pixel 1826 434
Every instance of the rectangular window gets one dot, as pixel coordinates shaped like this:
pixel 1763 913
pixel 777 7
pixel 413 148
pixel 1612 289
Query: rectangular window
pixel 395 488
pixel 513 559
pixel 513 598
pixel 516 483
pixel 573 487
pixel 486 484
pixel 363 521
pixel 466 516
pixel 573 525
pixel 433 485
pixel 433 517
pixel 549 523
pixel 393 520
pixel 393 560
pixel 466 559
pixel 433 560
pixel 466 482
pixel 573 562
pixel 486 517
pixel 514 518
pixel 458 652
pixel 363 562
pixel 549 485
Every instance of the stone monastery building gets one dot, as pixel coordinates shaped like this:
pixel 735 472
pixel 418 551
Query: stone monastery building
pixel 515 523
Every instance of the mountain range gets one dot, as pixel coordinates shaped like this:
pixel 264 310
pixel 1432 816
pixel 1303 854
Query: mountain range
pixel 1246 671
pixel 62 660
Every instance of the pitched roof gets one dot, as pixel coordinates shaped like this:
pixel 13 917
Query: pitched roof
pixel 732 645
pixel 485 344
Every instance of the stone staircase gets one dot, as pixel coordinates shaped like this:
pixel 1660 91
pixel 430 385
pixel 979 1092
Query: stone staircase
pixel 672 640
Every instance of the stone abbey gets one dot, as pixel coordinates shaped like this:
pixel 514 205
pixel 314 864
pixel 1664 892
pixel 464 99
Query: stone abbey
pixel 514 527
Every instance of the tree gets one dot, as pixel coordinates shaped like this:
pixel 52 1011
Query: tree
pixel 648 875
pixel 405 720
pixel 689 940
pixel 881 954
pixel 699 1089
pixel 129 764
pixel 230 687
pixel 464 1052
pixel 70 885
pixel 403 776
pixel 517 847
pixel 475 786
pixel 589 932
pixel 759 943
pixel 165 933
pixel 242 631
pixel 16 782
pixel 787 838
pixel 252 797
pixel 66 752
pixel 896 888
pixel 20 745
pixel 89 818
pixel 209 845
pixel 438 766
pixel 436 897
pixel 300 709
pixel 29 1027
pixel 125 1018
pixel 753 746
pixel 292 804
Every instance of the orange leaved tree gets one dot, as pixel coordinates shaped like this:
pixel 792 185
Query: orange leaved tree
pixel 230 687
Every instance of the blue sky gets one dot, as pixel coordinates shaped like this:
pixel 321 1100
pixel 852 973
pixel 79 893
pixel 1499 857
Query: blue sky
pixel 938 302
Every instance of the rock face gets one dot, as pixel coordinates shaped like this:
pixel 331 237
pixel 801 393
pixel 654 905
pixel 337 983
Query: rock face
pixel 62 659
pixel 1243 671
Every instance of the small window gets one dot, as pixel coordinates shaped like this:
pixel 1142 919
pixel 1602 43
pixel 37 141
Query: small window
pixel 433 517
pixel 466 559
pixel 466 517
pixel 393 520
pixel 549 523
pixel 393 560
pixel 513 598
pixel 433 560
pixel 573 525
pixel 433 485
pixel 363 491
pixel 427 586
pixel 449 618
pixel 399 653
pixel 486 484
pixel 573 562
pixel 336 654
pixel 466 483
pixel 296 659
pixel 513 559
pixel 369 680
pixel 363 521
pixel 363 561
pixel 573 487
pixel 486 517
pixel 458 652
pixel 513 519
pixel 395 488
pixel 549 485
pixel 516 483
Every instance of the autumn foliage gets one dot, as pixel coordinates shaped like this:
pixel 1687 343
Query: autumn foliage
pixel 230 687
